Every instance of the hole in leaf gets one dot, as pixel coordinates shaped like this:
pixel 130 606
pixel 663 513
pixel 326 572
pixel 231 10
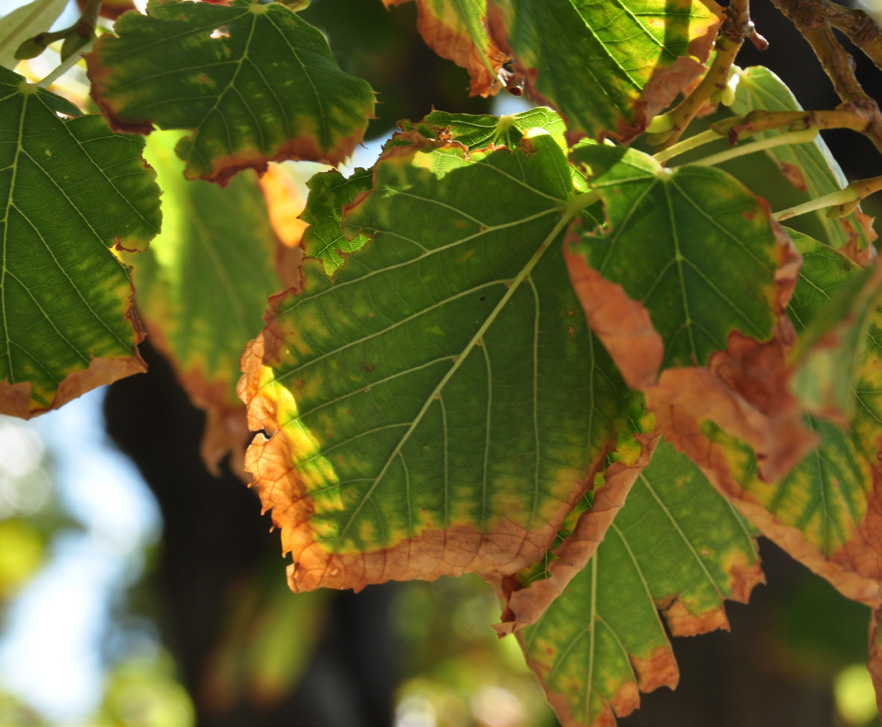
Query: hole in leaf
pixel 221 32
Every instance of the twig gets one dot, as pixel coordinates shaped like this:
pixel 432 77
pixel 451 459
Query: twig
pixel 859 27
pixel 837 63
pixel 842 202
pixel 846 116
pixel 735 28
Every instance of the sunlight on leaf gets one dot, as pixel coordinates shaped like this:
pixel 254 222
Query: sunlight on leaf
pixel 437 408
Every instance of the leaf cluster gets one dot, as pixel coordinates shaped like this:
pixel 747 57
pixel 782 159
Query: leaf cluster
pixel 536 347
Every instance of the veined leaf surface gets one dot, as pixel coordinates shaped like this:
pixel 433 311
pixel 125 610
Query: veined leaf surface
pixel 622 62
pixel 825 511
pixel 203 285
pixel 708 253
pixel 254 83
pixel 439 406
pixel 676 546
pixel 70 190
pixel 457 29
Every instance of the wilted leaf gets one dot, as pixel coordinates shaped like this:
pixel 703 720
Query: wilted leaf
pixel 254 83
pixel 202 287
pixel 439 406
pixel 621 64
pixel 810 167
pixel 457 30
pixel 329 192
pixel 675 546
pixel 528 594
pixel 71 190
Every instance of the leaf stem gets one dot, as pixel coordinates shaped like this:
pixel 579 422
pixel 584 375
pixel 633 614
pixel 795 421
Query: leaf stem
pixel 842 202
pixel 64 66
pixel 693 142
pixel 794 137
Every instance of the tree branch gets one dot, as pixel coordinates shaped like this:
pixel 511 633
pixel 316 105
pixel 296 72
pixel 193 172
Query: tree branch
pixel 859 27
pixel 815 26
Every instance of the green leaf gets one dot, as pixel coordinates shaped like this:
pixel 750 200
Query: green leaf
pixel 676 546
pixel 457 29
pixel 706 248
pixel 202 287
pixel 329 192
pixel 810 167
pixel 827 351
pixel 437 407
pixel 71 189
pixel 24 23
pixel 480 131
pixel 823 272
pixel 254 83
pixel 608 68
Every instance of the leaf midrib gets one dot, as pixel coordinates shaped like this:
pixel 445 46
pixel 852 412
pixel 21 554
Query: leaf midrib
pixel 565 218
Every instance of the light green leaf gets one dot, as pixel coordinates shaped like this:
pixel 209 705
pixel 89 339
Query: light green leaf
pixel 706 248
pixel 437 407
pixel 823 272
pixel 254 83
pixel 328 193
pixel 827 351
pixel 810 167
pixel 202 287
pixel 621 63
pixel 480 131
pixel 676 546
pixel 70 190
pixel 24 23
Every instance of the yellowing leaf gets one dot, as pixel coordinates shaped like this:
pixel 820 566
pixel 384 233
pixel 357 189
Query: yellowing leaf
pixel 439 405
pixel 674 546
pixel 202 288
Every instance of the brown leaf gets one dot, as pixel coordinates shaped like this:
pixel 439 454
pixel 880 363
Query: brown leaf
pixel 621 323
